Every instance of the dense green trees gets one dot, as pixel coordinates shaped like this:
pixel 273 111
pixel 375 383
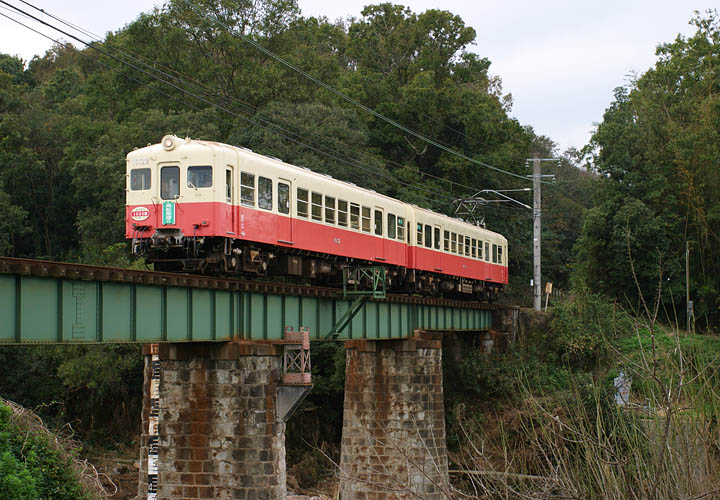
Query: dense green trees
pixel 658 154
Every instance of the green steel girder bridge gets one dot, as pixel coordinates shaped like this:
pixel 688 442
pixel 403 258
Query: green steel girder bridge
pixel 53 302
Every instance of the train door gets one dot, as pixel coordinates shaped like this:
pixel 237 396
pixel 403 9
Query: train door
pixel 380 241
pixel 230 200
pixel 284 225
pixel 439 256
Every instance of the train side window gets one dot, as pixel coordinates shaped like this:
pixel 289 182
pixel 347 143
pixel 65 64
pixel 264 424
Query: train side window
pixel 474 248
pixel 140 179
pixel 366 219
pixel 428 236
pixel 453 242
pixel 378 223
pixel 480 252
pixel 447 240
pixel 265 193
pixel 500 254
pixel 283 198
pixel 302 202
pixel 419 239
pixel 401 229
pixel 329 210
pixel 467 246
pixel 355 216
pixel 460 244
pixel 228 184
pixel 247 189
pixel 436 236
pixel 487 252
pixel 199 177
pixel 170 183
pixel 495 253
pixel 392 226
pixel 316 206
pixel 342 213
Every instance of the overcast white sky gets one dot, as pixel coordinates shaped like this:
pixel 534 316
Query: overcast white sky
pixel 560 59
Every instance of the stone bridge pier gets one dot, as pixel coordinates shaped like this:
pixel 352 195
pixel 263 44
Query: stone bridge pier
pixel 393 441
pixel 213 421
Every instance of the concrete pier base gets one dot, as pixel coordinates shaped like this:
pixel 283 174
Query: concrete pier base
pixel 393 443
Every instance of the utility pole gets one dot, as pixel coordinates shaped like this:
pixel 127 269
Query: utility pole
pixel 537 231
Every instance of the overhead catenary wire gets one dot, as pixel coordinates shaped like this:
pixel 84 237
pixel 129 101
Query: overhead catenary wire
pixel 213 92
pixel 349 99
pixel 221 108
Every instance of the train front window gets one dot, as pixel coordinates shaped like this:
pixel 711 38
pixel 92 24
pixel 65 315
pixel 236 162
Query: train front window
pixel 140 179
pixel 391 226
pixel 354 216
pixel 247 189
pixel 366 219
pixel 316 206
pixel 342 213
pixel 329 210
pixel 199 177
pixel 428 236
pixel 302 202
pixel 265 193
pixel 170 183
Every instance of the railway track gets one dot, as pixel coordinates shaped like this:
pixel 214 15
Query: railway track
pixel 46 268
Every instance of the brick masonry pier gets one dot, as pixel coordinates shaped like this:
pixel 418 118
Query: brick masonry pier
pixel 219 435
pixel 393 443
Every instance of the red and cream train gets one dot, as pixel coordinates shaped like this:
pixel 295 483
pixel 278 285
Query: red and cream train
pixel 201 206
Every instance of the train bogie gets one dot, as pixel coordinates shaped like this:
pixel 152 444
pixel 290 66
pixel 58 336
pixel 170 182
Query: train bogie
pixel 202 206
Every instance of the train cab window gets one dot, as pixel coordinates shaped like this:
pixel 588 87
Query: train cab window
pixel 392 226
pixel 265 193
pixel 247 189
pixel 228 184
pixel 487 252
pixel 140 179
pixel 366 219
pixel 170 183
pixel 283 198
pixel 419 240
pixel 495 253
pixel 473 248
pixel 316 206
pixel 467 246
pixel 447 240
pixel 500 255
pixel 342 213
pixel 453 242
pixel 354 216
pixel 428 236
pixel 378 223
pixel 302 202
pixel 436 238
pixel 329 210
pixel 199 177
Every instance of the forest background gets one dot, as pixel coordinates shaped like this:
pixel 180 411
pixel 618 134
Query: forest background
pixel 618 213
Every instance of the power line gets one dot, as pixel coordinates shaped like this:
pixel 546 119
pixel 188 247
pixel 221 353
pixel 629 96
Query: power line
pixel 349 99
pixel 221 108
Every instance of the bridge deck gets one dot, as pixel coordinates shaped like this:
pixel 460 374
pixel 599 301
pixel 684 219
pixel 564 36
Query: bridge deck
pixel 51 302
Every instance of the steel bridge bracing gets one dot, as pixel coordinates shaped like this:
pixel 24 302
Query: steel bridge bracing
pixel 45 302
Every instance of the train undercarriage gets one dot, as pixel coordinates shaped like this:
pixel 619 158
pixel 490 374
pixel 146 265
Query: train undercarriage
pixel 170 251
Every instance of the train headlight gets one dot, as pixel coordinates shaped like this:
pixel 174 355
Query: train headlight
pixel 168 143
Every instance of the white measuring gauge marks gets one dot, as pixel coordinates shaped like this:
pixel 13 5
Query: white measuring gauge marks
pixel 153 422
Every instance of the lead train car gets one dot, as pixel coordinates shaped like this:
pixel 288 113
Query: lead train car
pixel 200 206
